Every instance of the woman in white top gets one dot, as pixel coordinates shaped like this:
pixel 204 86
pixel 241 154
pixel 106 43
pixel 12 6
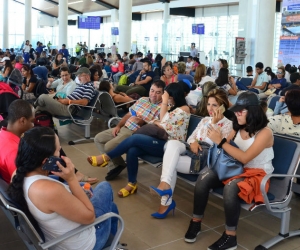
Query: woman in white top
pixel 200 75
pixel 255 151
pixel 65 85
pixel 55 207
pixel 191 157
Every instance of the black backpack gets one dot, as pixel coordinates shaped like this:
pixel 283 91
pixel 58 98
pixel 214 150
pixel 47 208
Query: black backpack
pixel 40 88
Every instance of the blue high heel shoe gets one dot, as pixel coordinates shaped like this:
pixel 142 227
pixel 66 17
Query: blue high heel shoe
pixel 164 215
pixel 167 192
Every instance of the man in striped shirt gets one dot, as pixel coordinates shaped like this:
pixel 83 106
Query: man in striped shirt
pixel 82 95
pixel 145 109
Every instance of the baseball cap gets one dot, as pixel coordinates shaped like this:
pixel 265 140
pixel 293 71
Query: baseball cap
pixel 245 100
pixel 5 59
pixel 83 70
pixel 191 85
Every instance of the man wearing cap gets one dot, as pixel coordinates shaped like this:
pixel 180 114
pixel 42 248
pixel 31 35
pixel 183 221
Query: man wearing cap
pixel 65 52
pixel 82 95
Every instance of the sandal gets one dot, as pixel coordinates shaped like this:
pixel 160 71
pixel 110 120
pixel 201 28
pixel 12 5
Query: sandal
pixel 124 192
pixel 93 161
pixel 86 178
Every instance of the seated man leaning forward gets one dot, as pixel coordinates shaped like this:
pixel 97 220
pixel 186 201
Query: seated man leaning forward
pixel 146 109
pixel 142 83
pixel 82 95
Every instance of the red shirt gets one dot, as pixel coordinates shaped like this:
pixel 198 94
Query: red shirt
pixel 9 143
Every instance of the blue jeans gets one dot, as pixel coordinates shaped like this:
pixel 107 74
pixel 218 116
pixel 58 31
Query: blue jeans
pixel 243 87
pixel 136 146
pixel 26 57
pixel 102 201
pixel 117 76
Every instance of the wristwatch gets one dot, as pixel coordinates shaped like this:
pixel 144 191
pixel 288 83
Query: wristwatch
pixel 221 143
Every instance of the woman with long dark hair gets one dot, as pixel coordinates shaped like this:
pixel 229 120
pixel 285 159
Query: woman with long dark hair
pixel 58 208
pixel 226 82
pixel 174 121
pixel 255 150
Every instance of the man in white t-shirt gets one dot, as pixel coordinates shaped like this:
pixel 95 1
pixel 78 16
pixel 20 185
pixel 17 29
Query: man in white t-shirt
pixel 114 49
pixel 189 63
pixel 260 80
pixel 26 50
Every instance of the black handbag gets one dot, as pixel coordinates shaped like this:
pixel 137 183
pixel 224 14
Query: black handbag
pixel 199 161
pixel 153 131
pixel 223 164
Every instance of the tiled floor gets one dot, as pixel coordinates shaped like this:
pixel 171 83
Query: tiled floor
pixel 142 231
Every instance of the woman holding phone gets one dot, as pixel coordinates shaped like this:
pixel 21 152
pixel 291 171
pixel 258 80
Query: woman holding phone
pixel 58 208
pixel 184 157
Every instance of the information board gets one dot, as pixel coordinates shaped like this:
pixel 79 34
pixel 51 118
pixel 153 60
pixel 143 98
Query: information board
pixel 89 22
pixel 289 46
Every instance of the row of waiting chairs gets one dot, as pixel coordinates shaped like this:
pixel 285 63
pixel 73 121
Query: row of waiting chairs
pixel 107 110
pixel 276 201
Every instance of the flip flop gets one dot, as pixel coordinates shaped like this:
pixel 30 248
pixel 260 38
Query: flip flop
pixel 86 178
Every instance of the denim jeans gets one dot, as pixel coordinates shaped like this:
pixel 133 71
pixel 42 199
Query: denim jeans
pixel 102 201
pixel 136 146
pixel 243 87
pixel 232 207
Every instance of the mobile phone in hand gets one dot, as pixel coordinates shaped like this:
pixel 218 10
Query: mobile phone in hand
pixel 51 165
pixel 133 113
pixel 222 108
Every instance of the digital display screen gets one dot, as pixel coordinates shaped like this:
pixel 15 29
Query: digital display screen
pixel 89 22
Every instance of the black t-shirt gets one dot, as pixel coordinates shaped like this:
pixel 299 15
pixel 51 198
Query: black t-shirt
pixel 147 85
pixel 32 79
pixel 293 86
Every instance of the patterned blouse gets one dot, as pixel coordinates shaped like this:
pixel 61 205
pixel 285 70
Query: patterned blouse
pixel 176 124
pixel 200 133
pixel 283 124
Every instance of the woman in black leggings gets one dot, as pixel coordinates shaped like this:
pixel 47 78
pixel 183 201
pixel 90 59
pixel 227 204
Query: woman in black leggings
pixel 255 141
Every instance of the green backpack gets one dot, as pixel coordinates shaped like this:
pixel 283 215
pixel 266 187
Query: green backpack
pixel 123 80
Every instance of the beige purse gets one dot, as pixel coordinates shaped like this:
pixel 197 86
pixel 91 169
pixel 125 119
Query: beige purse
pixel 270 91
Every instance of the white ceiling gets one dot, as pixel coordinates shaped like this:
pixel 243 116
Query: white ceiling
pixel 83 6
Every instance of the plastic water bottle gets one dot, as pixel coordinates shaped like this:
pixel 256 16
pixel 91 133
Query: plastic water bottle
pixel 87 189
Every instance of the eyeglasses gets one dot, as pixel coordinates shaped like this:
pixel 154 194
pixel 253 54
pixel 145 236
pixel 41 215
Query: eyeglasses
pixel 279 72
pixel 239 113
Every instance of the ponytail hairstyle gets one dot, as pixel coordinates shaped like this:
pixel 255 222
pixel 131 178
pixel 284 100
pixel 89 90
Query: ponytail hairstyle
pixel 201 109
pixel 35 146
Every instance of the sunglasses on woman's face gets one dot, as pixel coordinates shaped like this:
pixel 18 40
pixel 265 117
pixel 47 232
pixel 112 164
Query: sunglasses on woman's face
pixel 239 113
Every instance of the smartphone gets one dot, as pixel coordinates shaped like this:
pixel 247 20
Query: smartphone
pixel 51 165
pixel 222 108
pixel 133 113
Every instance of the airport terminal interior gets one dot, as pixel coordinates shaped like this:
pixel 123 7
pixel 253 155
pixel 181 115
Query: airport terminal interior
pixel 172 29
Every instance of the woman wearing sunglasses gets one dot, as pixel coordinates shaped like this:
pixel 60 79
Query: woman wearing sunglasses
pixel 276 85
pixel 255 150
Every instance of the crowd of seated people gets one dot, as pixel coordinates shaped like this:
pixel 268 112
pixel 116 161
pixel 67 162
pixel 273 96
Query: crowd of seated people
pixel 162 103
